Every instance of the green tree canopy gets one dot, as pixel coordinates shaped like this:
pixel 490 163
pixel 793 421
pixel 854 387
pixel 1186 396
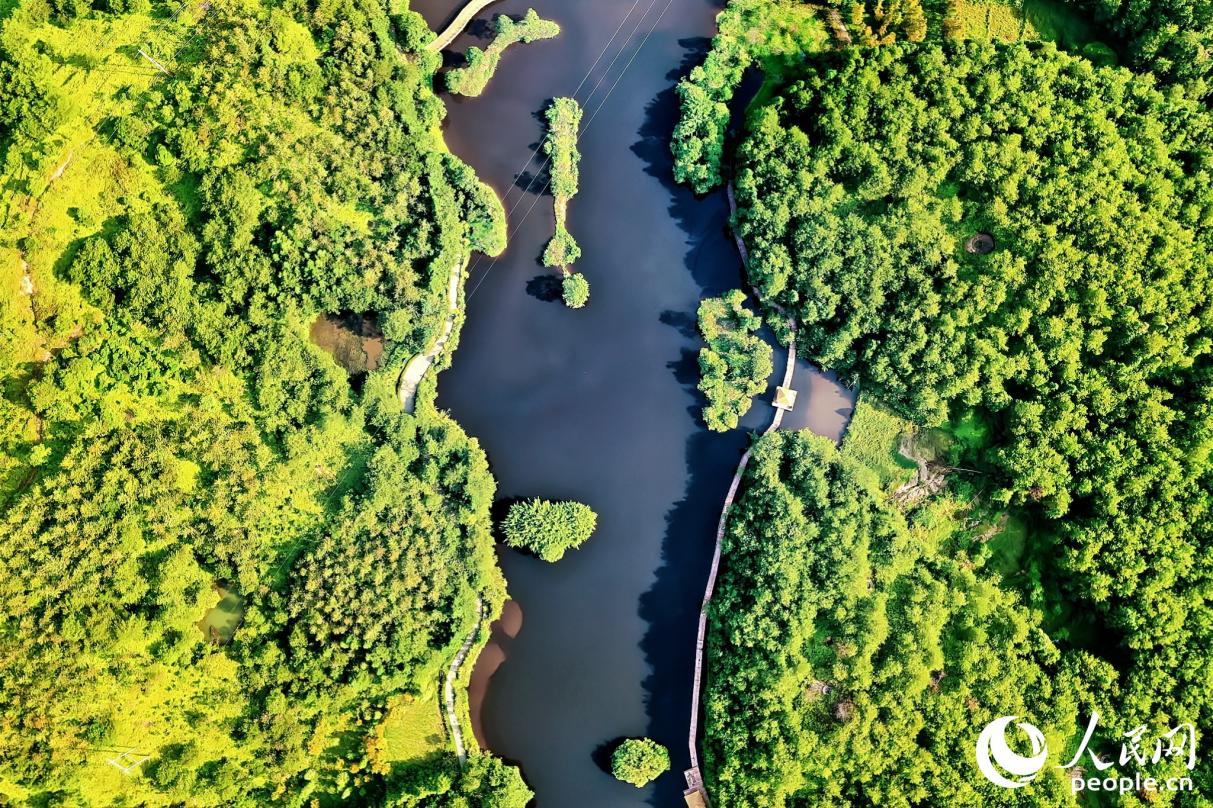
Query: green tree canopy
pixel 639 761
pixel 735 363
pixel 1081 339
pixel 548 529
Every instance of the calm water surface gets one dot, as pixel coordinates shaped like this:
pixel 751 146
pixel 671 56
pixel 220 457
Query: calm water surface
pixel 599 405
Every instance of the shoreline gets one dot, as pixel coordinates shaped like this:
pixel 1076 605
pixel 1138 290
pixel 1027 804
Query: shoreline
pixel 462 19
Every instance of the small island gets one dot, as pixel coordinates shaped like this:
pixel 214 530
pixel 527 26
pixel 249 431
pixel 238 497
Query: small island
pixel 548 529
pixel 639 761
pixel 735 363
pixel 473 77
pixel 560 144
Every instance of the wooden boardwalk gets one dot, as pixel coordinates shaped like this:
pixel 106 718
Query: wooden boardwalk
pixel 696 792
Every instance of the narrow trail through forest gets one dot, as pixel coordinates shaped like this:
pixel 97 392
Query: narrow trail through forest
pixel 452 673
pixel 414 370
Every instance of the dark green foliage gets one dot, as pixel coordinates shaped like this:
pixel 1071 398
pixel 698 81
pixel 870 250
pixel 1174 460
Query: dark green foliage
pixel 27 106
pixel 482 210
pixel 769 34
pixel 735 363
pixel 371 625
pixel 853 657
pixel 486 782
pixel 639 761
pixel 1081 341
pixel 1171 38
pixel 548 529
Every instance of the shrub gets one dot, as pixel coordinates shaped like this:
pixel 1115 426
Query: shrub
pixel 576 290
pixel 639 761
pixel 548 529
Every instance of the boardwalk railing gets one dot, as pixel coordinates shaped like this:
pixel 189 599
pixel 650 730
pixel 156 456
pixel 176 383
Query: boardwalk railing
pixel 694 776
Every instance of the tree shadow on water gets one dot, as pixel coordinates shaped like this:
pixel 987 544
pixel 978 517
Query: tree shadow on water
pixel 711 259
pixel 671 606
pixel 546 287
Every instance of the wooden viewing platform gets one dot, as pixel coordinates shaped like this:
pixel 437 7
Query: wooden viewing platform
pixel 785 399
pixel 696 795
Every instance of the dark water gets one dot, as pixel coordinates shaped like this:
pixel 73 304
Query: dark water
pixel 600 405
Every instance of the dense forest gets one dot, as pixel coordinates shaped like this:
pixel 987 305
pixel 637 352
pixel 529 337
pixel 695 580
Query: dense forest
pixel 1008 244
pixel 171 439
pixel 854 652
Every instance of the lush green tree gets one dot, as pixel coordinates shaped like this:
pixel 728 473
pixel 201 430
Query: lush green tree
pixel 771 34
pixel 735 364
pixel 548 529
pixel 485 782
pixel 855 653
pixel 1171 38
pixel 1076 330
pixel 575 290
pixel 171 441
pixel 563 118
pixel 639 761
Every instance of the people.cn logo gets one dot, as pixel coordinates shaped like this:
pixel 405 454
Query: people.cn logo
pixel 1002 766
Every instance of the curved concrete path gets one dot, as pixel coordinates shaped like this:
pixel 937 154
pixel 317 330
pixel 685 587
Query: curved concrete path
pixel 452 673
pixel 457 25
pixel 415 368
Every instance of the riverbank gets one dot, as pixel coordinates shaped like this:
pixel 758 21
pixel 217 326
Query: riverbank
pixel 448 689
pixel 599 405
pixel 415 369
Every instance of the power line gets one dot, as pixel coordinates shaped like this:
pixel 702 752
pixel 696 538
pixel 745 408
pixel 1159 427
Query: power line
pixel 586 127
pixel 548 159
pixel 581 84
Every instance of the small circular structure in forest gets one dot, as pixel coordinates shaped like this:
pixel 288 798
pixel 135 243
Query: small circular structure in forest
pixel 980 244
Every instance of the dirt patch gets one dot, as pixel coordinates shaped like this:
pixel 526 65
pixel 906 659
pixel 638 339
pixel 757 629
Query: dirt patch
pixel 355 341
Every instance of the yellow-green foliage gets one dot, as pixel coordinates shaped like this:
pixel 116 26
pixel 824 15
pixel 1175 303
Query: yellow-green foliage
pixel 988 20
pixel 473 77
pixel 413 729
pixel 873 438
pixel 1050 20
pixel 166 428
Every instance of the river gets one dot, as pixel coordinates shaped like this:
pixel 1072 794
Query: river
pixel 600 404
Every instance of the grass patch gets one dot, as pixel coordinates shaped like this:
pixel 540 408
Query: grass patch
pixel 1007 546
pixel 1063 24
pixel 413 729
pixel 993 21
pixel 1047 20
pixel 872 439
